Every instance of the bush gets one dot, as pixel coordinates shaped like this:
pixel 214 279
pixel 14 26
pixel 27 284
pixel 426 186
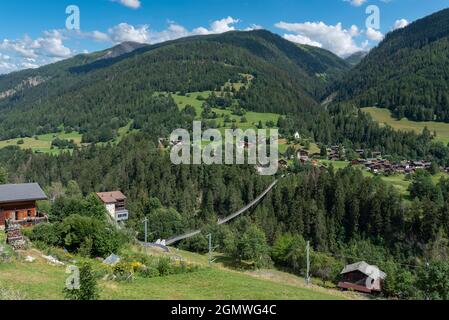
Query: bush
pixel 164 266
pixel 49 234
pixel 123 271
pixel 85 235
pixel 88 285
pixel 150 271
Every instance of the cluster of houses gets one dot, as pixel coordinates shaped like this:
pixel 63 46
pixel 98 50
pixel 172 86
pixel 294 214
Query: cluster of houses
pixel 375 164
pixel 18 204
pixel 378 166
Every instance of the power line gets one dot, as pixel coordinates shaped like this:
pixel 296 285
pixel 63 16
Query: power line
pixel 370 261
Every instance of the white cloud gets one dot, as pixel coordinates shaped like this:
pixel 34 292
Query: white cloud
pixel 49 45
pixel 356 3
pixel 334 38
pixel 374 35
pixel 143 34
pixel 4 57
pixel 133 4
pixel 28 65
pixel 27 53
pixel 223 25
pixel 297 38
pixel 401 23
pixel 125 32
pixel 98 36
pixel 52 45
pixel 219 26
pixel 254 27
pixel 6 67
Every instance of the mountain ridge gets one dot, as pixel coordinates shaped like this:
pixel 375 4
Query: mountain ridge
pixel 287 79
pixel 406 73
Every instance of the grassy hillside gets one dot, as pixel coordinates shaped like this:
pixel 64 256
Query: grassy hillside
pixel 252 118
pixel 42 143
pixel 384 116
pixel 38 280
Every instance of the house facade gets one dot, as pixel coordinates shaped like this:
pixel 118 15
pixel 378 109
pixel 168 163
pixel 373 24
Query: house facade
pixel 18 204
pixel 362 277
pixel 115 204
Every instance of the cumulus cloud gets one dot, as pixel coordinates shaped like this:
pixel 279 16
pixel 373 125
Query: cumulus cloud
pixel 49 45
pixel 254 27
pixel 125 32
pixel 297 38
pixel 133 4
pixel 98 36
pixel 401 23
pixel 374 35
pixel 356 3
pixel 27 53
pixel 334 38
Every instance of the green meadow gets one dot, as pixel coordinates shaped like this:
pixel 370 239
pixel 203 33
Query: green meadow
pixel 42 143
pixel 40 281
pixel 384 117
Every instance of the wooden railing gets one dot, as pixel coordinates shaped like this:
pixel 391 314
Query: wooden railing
pixel 28 222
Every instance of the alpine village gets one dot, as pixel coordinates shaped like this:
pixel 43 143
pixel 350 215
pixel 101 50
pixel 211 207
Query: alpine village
pixel 358 209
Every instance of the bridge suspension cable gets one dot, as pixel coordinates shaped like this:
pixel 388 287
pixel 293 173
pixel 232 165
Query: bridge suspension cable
pixel 224 220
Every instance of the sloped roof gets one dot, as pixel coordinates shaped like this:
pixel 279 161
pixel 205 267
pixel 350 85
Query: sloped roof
pixel 111 197
pixel 366 269
pixel 21 192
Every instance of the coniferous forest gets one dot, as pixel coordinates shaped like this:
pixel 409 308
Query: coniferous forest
pixel 346 215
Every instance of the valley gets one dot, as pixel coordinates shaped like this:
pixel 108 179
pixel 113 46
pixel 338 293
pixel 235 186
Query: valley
pixel 384 206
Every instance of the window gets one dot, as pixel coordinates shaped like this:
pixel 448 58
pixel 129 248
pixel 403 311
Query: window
pixel 16 216
pixel 29 213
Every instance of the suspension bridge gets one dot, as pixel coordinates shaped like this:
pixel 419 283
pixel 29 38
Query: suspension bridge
pixel 222 221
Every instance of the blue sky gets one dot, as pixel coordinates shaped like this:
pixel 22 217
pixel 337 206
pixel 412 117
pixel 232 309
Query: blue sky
pixel 33 33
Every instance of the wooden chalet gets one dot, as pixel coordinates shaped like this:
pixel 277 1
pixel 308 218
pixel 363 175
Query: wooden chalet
pixel 18 204
pixel 362 277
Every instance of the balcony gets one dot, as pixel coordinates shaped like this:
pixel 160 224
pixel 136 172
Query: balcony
pixel 29 222
pixel 122 215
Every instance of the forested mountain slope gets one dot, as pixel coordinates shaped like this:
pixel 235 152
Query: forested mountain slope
pixel 91 94
pixel 356 58
pixel 407 73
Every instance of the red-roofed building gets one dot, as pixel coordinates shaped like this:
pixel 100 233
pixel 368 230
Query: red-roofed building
pixel 115 203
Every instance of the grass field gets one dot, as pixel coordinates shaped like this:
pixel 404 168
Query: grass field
pixel 336 164
pixel 42 143
pixel 252 118
pixel 384 116
pixel 39 280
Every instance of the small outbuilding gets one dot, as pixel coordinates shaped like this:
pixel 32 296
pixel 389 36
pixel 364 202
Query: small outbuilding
pixel 362 277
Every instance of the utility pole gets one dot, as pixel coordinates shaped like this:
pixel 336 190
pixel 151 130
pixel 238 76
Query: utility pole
pixel 211 250
pixel 308 263
pixel 146 230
